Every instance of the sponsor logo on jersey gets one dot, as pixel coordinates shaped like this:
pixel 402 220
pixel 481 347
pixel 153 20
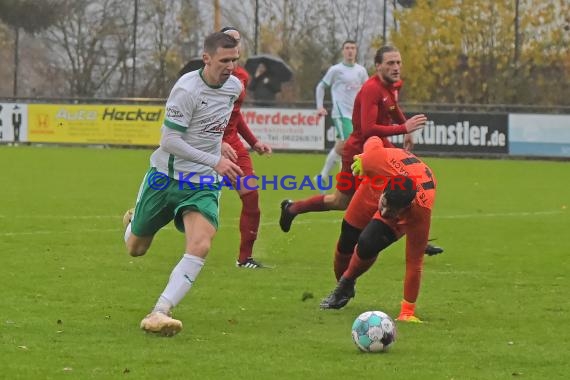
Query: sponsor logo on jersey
pixel 174 113
pixel 216 127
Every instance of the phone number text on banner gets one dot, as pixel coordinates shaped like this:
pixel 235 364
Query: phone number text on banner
pixel 101 124
pixel 284 128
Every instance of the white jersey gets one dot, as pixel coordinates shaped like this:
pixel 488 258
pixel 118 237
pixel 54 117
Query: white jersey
pixel 345 82
pixel 202 112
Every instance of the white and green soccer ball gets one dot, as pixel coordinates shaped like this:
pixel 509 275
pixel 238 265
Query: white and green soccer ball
pixel 374 331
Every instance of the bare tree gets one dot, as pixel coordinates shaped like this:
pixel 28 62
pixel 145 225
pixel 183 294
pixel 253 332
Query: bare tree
pixel 90 44
pixel 30 16
pixel 172 34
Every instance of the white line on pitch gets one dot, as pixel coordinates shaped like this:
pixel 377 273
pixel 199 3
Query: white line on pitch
pixel 272 223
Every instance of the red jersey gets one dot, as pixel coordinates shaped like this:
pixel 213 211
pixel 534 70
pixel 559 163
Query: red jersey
pixel 375 112
pixel 237 123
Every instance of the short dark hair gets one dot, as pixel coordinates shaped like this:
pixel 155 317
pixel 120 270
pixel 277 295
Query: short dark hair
pixel 400 191
pixel 348 42
pixel 219 40
pixel 379 57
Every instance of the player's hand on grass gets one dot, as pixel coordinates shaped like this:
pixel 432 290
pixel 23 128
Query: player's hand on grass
pixel 356 166
pixel 227 168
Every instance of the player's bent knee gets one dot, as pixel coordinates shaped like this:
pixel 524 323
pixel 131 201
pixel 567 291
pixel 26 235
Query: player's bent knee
pixel 199 247
pixel 375 238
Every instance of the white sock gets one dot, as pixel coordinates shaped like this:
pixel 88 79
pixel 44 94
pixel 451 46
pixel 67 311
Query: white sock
pixel 181 279
pixel 332 159
pixel 127 232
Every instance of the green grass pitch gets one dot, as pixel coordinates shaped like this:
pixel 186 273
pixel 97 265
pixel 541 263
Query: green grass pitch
pixel 495 303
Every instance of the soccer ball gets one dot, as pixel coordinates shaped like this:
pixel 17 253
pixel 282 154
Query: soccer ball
pixel 373 331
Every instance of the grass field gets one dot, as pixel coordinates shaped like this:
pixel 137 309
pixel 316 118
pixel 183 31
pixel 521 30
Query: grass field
pixel 495 303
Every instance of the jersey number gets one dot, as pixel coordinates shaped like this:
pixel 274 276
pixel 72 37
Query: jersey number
pixel 428 185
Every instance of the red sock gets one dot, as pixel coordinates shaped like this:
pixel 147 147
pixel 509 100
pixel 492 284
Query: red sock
pixel 341 261
pixel 315 203
pixel 248 224
pixel 358 266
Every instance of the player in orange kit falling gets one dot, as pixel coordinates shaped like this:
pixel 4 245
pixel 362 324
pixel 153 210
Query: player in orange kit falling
pixel 376 113
pixel 395 199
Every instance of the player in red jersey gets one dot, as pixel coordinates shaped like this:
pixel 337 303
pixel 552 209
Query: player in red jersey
pixel 395 199
pixel 376 113
pixel 233 148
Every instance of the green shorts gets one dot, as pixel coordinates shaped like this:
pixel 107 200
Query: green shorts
pixel 156 208
pixel 343 126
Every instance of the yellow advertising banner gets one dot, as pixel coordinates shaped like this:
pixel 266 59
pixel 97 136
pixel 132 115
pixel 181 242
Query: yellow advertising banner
pixel 95 124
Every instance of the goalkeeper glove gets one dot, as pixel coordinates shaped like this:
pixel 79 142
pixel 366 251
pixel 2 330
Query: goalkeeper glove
pixel 407 312
pixel 356 166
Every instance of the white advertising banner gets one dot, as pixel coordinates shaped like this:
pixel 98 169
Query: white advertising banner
pixel 539 135
pixel 13 122
pixel 287 128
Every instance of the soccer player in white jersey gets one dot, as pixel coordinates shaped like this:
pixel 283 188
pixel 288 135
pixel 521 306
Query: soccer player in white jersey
pixel 197 112
pixel 344 79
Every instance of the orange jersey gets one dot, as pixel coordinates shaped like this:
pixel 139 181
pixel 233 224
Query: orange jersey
pixel 380 163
